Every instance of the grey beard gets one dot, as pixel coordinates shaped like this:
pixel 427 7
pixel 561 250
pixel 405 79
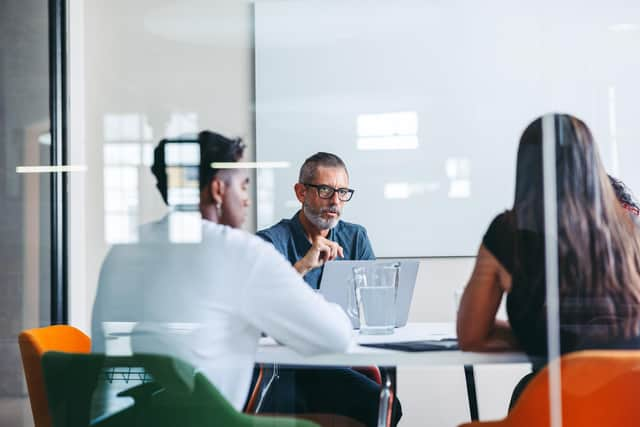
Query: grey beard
pixel 316 218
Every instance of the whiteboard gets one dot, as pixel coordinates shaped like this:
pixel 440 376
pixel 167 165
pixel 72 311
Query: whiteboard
pixel 425 101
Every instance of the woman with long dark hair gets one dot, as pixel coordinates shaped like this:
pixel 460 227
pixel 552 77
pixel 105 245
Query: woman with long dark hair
pixel 598 256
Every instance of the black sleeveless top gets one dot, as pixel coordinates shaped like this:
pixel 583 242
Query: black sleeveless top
pixel 521 253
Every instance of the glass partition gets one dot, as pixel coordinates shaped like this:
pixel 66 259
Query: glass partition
pixel 449 152
pixel 25 229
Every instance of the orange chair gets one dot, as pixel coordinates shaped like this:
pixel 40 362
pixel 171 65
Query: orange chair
pixel 63 338
pixel 33 344
pixel 371 372
pixel 253 397
pixel 599 388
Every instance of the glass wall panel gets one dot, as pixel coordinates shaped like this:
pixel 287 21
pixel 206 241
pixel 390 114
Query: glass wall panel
pixel 442 114
pixel 146 72
pixel 24 198
pixel 591 228
pixel 574 284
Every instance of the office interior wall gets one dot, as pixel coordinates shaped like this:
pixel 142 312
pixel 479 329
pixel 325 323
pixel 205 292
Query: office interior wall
pixel 142 69
pixel 24 199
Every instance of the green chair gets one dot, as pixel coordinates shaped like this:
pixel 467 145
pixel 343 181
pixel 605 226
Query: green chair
pixel 177 396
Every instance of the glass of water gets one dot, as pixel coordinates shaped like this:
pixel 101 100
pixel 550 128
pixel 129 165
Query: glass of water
pixel 375 289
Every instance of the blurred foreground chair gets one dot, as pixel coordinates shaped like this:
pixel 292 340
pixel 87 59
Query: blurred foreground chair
pixel 599 388
pixel 176 396
pixel 33 344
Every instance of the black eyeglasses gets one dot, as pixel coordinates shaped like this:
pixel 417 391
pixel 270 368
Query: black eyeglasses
pixel 326 192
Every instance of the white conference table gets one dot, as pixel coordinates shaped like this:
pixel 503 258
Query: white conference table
pixel 270 352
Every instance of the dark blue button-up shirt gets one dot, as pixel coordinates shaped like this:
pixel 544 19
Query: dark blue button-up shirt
pixel 289 238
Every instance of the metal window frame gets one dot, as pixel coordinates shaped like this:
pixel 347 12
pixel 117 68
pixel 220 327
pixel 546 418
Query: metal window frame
pixel 58 115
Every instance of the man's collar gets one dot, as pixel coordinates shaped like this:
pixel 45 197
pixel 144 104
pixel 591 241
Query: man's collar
pixel 297 225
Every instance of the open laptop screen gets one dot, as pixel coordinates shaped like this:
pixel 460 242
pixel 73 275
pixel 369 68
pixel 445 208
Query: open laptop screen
pixel 336 288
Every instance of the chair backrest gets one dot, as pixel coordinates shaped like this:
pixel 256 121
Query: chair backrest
pixel 599 388
pixel 180 396
pixel 33 344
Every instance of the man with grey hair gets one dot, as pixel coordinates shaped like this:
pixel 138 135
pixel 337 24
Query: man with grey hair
pixel 316 233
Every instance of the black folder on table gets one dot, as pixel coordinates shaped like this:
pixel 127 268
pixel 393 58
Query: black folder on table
pixel 425 345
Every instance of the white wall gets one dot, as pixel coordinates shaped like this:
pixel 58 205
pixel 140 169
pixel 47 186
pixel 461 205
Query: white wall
pixel 155 58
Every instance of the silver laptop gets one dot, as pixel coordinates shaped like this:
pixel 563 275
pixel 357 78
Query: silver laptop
pixel 334 286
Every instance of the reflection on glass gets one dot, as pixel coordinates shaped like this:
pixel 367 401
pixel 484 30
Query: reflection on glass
pixel 624 28
pixel 121 199
pixel 181 124
pixel 122 154
pixel 147 154
pixel 182 154
pixel 120 228
pixel 45 139
pixel 459 174
pixel 127 127
pixel 182 160
pixel 388 131
pixel 266 197
pixel 25 231
pixel 122 157
pixel 182 186
pixel 126 154
pixel 185 227
pixel 459 189
pixel 397 190
pixel 404 190
pixel 458 168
